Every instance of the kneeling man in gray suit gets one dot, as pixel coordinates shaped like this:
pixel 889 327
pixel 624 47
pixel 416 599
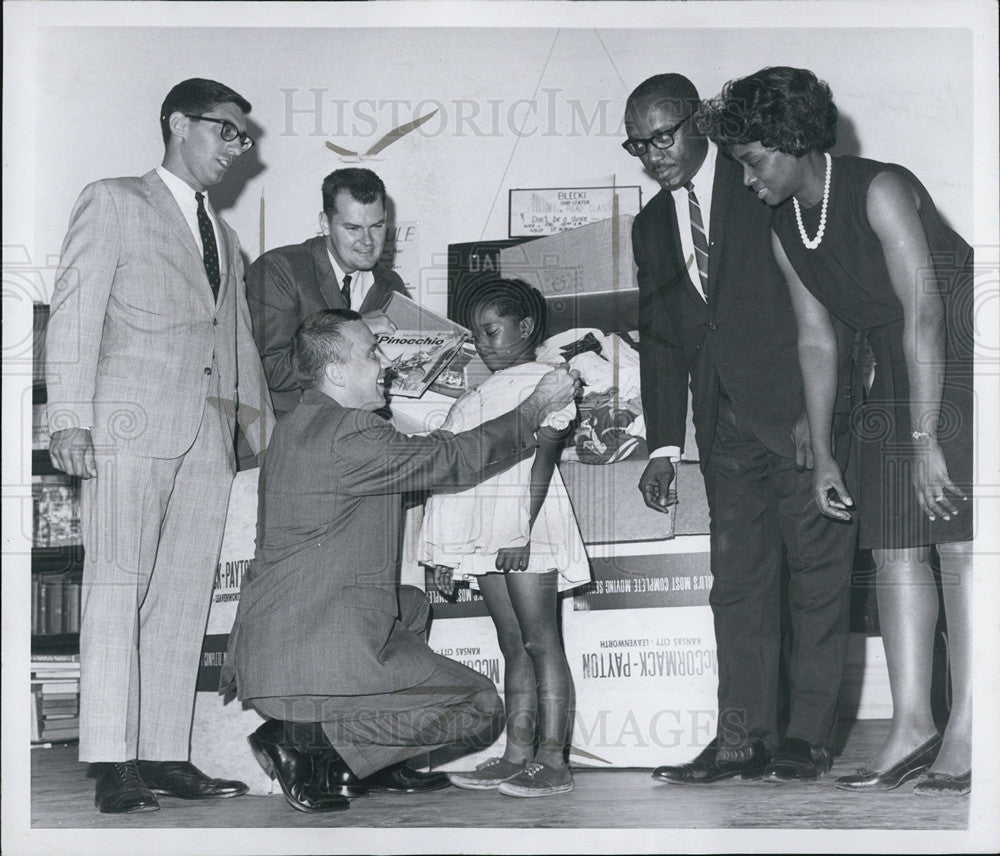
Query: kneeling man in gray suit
pixel 326 644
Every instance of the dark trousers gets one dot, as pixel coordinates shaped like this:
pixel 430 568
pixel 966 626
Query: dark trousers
pixel 455 705
pixel 762 508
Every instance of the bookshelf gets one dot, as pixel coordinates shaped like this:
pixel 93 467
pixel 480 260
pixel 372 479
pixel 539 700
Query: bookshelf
pixel 56 575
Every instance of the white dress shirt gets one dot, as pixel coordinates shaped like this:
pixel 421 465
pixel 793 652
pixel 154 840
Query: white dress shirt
pixel 361 282
pixel 184 194
pixel 703 181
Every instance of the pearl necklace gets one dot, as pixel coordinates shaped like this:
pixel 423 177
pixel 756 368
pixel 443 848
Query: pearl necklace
pixel 812 243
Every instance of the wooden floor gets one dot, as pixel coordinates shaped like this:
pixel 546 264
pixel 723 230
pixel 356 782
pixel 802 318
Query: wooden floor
pixel 62 797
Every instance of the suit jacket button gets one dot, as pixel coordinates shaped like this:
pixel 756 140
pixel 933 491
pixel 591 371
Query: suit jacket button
pixel 712 325
pixel 215 322
pixel 208 370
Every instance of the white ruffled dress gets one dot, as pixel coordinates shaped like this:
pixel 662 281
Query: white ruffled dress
pixel 466 529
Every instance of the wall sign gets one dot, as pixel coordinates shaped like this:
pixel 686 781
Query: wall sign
pixel 547 210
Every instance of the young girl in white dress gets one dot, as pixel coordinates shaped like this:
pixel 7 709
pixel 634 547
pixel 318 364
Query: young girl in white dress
pixel 514 536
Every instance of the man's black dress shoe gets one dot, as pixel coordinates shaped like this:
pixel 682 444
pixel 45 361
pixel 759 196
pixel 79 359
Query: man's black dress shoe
pixel 292 769
pixel 184 780
pixel 400 779
pixel 708 767
pixel 797 760
pixel 912 765
pixel 333 776
pixel 120 789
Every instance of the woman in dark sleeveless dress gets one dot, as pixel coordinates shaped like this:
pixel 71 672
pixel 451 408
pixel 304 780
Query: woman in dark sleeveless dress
pixel 862 241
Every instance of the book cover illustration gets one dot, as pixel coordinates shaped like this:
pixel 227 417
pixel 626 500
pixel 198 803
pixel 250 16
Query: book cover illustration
pixel 423 343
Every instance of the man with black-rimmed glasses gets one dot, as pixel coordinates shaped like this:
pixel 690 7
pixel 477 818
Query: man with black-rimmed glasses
pixel 715 314
pixel 148 340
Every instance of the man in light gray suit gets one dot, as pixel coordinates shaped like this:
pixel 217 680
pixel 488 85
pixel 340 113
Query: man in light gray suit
pixel 150 361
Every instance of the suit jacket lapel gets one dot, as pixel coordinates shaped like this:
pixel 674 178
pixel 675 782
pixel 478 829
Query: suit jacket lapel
pixel 723 188
pixel 378 293
pixel 326 278
pixel 225 258
pixel 164 203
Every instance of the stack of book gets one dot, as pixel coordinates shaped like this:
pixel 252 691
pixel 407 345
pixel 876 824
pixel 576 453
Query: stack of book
pixel 55 604
pixel 57 511
pixel 55 697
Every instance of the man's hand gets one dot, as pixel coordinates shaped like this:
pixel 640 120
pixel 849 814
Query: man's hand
pixel 379 323
pixel 655 484
pixel 802 441
pixel 829 491
pixel 513 558
pixel 553 392
pixel 72 451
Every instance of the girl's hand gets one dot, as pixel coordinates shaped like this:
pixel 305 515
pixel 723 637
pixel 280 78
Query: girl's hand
pixel 829 492
pixel 444 580
pixel 513 558
pixel 931 480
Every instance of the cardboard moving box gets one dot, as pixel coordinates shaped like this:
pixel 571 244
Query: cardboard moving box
pixel 587 275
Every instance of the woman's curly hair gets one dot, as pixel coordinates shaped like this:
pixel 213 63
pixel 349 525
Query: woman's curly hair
pixel 781 108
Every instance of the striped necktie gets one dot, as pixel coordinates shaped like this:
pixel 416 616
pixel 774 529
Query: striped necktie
pixel 210 250
pixel 699 237
pixel 346 291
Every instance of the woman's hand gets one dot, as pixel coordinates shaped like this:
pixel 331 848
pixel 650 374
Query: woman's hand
pixel 829 491
pixel 513 558
pixel 931 480
pixel 444 580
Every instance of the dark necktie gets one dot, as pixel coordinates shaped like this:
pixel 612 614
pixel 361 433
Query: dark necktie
pixel 346 291
pixel 699 237
pixel 210 249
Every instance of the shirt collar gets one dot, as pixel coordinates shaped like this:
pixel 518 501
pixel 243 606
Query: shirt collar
pixel 337 270
pixel 181 190
pixel 703 178
pixel 356 277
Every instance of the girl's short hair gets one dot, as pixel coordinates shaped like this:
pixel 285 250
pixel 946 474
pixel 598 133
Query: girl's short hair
pixel 510 298
pixel 782 108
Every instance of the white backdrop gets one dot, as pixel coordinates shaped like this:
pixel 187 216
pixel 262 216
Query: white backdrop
pixel 82 84
pixel 516 108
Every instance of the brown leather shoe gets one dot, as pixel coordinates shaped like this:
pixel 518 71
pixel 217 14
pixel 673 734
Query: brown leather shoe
pixel 184 780
pixel 797 760
pixel 121 790
pixel 293 770
pixel 333 776
pixel 707 767
pixel 400 779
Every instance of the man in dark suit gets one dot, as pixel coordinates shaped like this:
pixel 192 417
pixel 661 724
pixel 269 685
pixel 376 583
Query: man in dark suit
pixel 715 311
pixel 325 644
pixel 149 364
pixel 338 269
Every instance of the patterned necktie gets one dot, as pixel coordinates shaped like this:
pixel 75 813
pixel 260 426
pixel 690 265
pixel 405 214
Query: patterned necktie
pixel 346 291
pixel 210 249
pixel 699 237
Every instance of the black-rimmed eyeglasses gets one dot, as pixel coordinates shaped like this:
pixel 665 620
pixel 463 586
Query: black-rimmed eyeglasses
pixel 228 131
pixel 661 139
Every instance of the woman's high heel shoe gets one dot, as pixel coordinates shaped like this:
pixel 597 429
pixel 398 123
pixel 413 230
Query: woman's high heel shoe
pixel 912 765
pixel 944 784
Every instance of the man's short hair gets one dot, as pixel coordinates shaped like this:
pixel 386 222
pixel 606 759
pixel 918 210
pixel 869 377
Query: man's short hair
pixel 197 95
pixel 363 185
pixel 318 341
pixel 673 88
